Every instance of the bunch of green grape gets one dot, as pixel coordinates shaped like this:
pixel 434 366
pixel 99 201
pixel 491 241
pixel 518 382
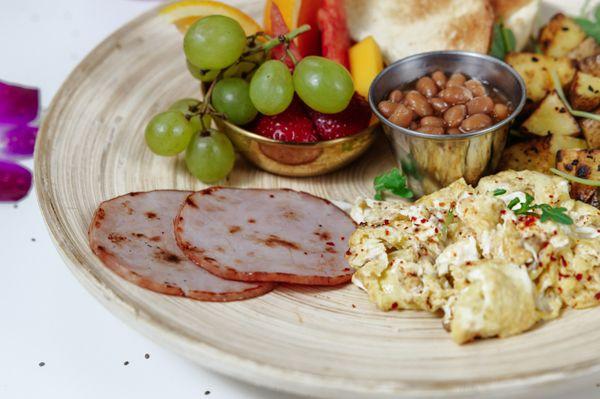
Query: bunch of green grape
pixel 242 83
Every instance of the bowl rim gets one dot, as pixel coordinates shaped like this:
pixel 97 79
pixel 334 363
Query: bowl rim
pixel 481 58
pixel 323 143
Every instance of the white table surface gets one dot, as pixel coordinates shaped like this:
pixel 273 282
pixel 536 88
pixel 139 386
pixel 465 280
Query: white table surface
pixel 46 316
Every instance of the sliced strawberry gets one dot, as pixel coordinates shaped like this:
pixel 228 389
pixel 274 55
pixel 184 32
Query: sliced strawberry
pixel 353 119
pixel 292 125
pixel 335 37
pixel 278 28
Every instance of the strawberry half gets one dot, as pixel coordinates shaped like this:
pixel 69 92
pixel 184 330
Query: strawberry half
pixel 335 37
pixel 353 119
pixel 293 125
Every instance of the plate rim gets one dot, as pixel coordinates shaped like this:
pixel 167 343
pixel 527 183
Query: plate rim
pixel 222 361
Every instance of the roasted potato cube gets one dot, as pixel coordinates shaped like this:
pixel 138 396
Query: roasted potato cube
pixel 591 131
pixel 585 92
pixel 584 164
pixel 586 48
pixel 534 70
pixel 538 154
pixel 528 155
pixel 560 36
pixel 551 117
pixel 591 65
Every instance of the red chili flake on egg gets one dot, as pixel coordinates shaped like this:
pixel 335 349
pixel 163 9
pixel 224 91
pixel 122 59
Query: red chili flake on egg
pixel 348 253
pixel 544 245
pixel 395 305
pixel 387 232
pixel 561 276
pixel 530 220
pixel 347 269
pixel 386 222
pixel 413 218
pixel 442 204
pixel 503 212
pixel 437 230
pixel 579 276
pixel 597 296
pixel 331 244
pixel 552 258
pixel 563 261
pixel 423 220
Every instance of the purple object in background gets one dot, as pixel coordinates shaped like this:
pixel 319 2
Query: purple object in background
pixel 15 181
pixel 18 105
pixel 17 141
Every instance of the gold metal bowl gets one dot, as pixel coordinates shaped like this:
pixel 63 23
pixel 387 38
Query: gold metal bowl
pixel 298 159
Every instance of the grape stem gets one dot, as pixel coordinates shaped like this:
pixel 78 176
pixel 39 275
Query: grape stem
pixel 288 37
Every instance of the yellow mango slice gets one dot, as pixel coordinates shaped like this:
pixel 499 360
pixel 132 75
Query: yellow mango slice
pixel 365 63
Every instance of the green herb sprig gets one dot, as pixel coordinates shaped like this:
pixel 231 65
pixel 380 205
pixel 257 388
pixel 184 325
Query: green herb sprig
pixel 499 191
pixel 503 41
pixel 589 26
pixel 548 212
pixel 393 181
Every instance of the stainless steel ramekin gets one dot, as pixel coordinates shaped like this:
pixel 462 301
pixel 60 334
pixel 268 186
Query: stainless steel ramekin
pixel 434 161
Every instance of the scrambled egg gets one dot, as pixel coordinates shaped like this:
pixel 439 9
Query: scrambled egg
pixel 464 253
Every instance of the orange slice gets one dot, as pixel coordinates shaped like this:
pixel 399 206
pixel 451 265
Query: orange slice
pixel 184 13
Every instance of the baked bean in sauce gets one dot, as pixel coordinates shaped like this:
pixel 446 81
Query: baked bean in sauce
pixel 444 103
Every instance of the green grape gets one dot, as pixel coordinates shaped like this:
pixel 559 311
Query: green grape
pixel 324 85
pixel 246 66
pixel 189 107
pixel 272 88
pixel 203 75
pixel 231 97
pixel 214 42
pixel 210 156
pixel 168 133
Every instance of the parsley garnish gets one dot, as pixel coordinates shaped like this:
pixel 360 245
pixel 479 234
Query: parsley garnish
pixel 499 191
pixel 503 41
pixel 589 26
pixel 392 181
pixel 448 219
pixel 549 212
pixel 556 214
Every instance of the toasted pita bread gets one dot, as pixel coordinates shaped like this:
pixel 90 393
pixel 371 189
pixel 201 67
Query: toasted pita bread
pixel 519 16
pixel 406 27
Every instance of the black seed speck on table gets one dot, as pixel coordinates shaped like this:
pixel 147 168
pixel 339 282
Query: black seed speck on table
pixel 125 363
pixel 32 239
pixel 15 206
pixel 207 392
pixel 146 356
pixel 41 364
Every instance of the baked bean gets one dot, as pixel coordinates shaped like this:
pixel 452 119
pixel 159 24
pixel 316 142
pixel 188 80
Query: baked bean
pixel 440 79
pixel 432 121
pixel 476 122
pixel 480 105
pixel 455 115
pixel 427 87
pixel 387 108
pixel 418 103
pixel 456 95
pixel 438 104
pixel 501 111
pixel 431 130
pixel 402 116
pixel 453 130
pixel 456 80
pixel 476 87
pixel 396 96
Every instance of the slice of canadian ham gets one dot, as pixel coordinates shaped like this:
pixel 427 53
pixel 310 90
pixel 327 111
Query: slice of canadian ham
pixel 266 235
pixel 133 236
